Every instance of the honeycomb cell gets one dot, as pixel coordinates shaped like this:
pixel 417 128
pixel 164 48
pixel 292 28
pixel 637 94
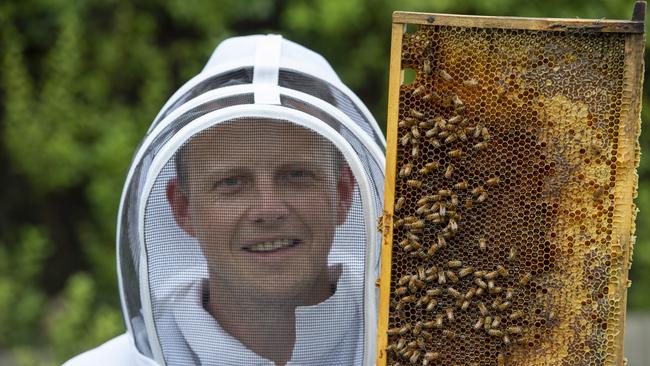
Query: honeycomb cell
pixel 507 145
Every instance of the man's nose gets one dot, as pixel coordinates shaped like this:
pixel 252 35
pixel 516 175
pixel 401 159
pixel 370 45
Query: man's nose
pixel 269 207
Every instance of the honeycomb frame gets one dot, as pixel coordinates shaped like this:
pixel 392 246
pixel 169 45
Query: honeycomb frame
pixel 508 223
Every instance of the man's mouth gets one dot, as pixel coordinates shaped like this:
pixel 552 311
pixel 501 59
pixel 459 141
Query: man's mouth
pixel 272 245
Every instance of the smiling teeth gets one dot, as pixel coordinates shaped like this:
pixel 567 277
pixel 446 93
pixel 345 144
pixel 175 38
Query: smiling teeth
pixel 268 246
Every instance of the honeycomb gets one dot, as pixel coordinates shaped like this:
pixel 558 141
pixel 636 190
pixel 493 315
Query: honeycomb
pixel 506 244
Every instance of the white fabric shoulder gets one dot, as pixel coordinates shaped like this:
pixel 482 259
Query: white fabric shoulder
pixel 118 351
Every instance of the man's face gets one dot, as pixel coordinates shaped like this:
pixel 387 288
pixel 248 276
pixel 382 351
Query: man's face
pixel 263 199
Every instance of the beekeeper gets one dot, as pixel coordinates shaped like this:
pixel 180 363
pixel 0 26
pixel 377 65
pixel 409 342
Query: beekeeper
pixel 246 231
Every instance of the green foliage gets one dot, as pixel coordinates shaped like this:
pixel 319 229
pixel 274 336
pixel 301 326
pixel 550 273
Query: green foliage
pixel 81 81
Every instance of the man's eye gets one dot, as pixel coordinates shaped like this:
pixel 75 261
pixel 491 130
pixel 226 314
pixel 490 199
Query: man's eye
pixel 297 173
pixel 230 181
pixel 228 184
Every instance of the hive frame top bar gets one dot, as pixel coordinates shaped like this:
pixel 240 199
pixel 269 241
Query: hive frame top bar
pixel 636 25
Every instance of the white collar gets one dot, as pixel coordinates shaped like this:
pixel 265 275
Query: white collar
pixel 326 333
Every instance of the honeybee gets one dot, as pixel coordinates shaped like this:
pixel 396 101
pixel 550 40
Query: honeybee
pixel 495 332
pixel 479 323
pixel 400 203
pixel 449 171
pixel 431 132
pixel 502 271
pixel 496 290
pixel 430 356
pixel 482 308
pixel 465 271
pixel 415 357
pixel 479 291
pixel 432 304
pixel 480 146
pixel 478 190
pixel 454 203
pixel 448 333
pixel 465 305
pixel 417 114
pixel 417 91
pixel 501 360
pixel 427 336
pixel 457 101
pixel 427 67
pixel 482 197
pixel 440 123
pixel 412 237
pixel 469 203
pixel 477 131
pixel 406 170
pixel 429 167
pixel 434 217
pixel 439 319
pixel 493 181
pixel 442 279
pixel 451 138
pixel 392 332
pixel 490 284
pixel 435 143
pixel 445 75
pixel 454 119
pixel 423 201
pixel 525 279
pixel 452 276
pixel 491 275
pixel 401 291
pixel 485 134
pixel 480 283
pixel 427 97
pixel 479 273
pixel 453 292
pixel 405 139
pixel 422 209
pixel 405 329
pixel 443 134
pixel 417 225
pixel 403 280
pixel 506 339
pixel 461 185
pixel 496 303
pixel 514 330
pixel 488 323
pixel 415 151
pixel 512 253
pixel 415 132
pixel 504 305
pixel 453 225
pixel 509 293
pixel 408 298
pixel 470 293
pixel 461 135
pixel 423 300
pixel 426 124
pixel 441 241
pixel 414 183
pixel 470 82
pixel 482 243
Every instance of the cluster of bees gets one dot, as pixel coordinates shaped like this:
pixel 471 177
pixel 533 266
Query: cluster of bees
pixel 439 289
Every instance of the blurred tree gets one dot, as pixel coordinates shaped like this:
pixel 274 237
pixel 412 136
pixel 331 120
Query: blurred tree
pixel 81 81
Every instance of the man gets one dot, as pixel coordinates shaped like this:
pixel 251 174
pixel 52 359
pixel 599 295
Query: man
pixel 246 229
pixel 263 199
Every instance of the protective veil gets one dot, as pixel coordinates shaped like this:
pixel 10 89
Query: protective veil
pixel 247 226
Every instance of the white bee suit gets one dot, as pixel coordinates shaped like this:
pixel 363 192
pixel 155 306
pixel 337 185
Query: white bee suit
pixel 257 186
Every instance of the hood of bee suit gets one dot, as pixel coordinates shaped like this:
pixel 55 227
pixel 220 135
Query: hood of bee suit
pixel 255 190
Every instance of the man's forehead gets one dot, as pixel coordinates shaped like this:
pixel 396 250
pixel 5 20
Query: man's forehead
pixel 259 140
